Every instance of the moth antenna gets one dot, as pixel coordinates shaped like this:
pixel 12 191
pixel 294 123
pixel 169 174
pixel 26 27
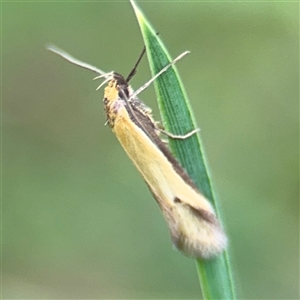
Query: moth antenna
pixel 133 71
pixel 143 87
pixel 75 61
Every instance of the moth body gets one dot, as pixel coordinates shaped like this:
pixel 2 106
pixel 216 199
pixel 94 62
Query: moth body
pixel 191 219
pixel 193 225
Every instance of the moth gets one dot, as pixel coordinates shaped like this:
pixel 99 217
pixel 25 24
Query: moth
pixel 192 221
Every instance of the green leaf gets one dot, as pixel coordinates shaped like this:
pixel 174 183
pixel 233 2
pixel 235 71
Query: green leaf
pixel 215 275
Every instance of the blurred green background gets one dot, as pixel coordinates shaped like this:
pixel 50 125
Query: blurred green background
pixel 78 220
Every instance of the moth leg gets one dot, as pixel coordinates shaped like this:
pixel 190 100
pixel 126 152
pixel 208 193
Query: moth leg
pixel 159 129
pixel 180 137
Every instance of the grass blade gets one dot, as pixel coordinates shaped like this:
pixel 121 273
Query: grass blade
pixel 215 275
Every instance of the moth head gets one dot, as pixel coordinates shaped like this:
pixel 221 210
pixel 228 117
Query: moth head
pixel 117 87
